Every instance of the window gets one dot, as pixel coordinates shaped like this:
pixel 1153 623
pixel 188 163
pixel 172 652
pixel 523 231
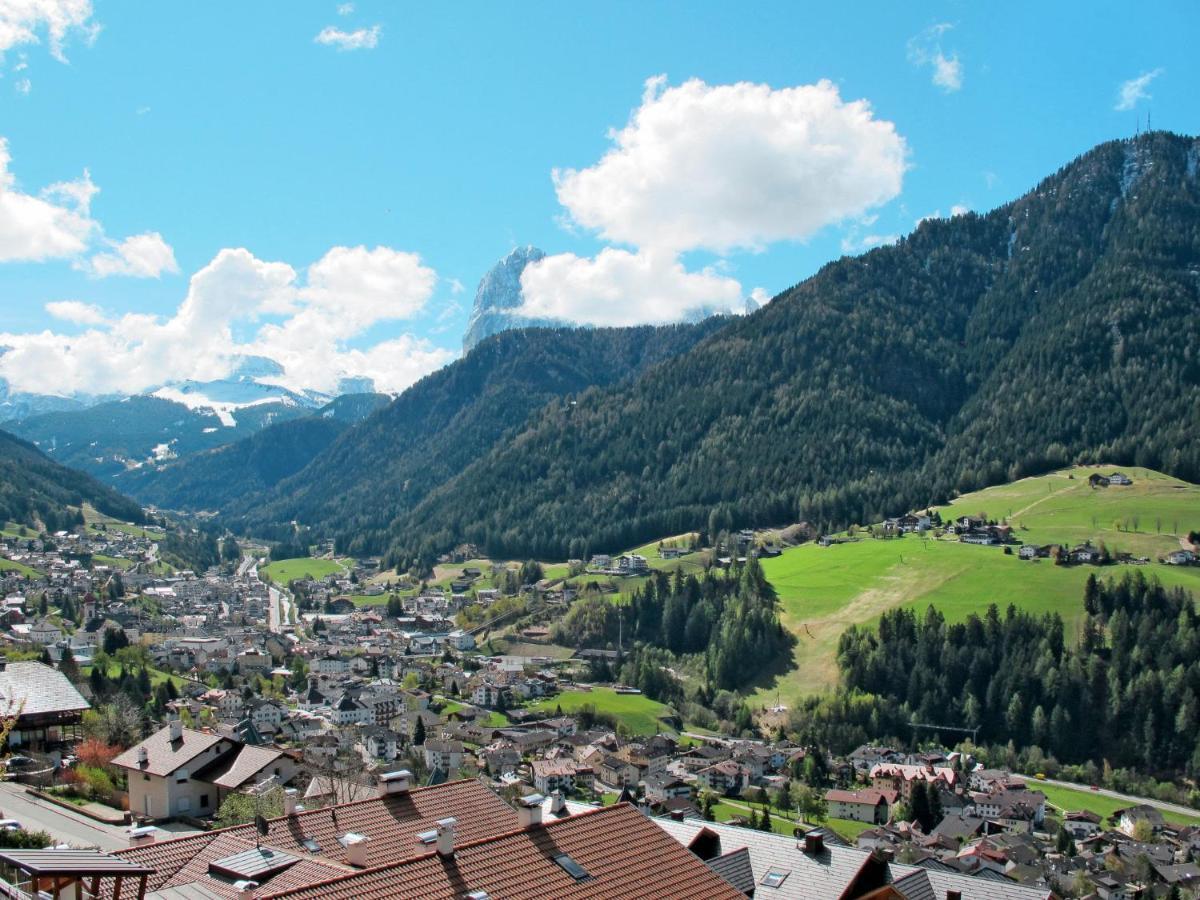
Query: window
pixel 204 801
pixel 572 868
pixel 185 804
pixel 775 877
pixel 181 776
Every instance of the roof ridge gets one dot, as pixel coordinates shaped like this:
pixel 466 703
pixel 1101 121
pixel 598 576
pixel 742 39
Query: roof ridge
pixel 490 839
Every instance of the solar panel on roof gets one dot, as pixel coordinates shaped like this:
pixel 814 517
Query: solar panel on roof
pixel 253 865
pixel 572 868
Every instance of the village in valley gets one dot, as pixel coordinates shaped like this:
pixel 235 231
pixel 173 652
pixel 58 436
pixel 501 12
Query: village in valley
pixel 150 696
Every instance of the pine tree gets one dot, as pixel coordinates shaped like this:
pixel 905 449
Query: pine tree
pixel 419 733
pixel 918 805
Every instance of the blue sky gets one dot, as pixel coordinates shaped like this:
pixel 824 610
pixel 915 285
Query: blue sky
pixel 234 144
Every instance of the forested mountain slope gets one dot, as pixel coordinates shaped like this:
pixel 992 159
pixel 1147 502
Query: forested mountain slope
pixel 106 439
pixel 1060 326
pixel 35 489
pixel 214 479
pixel 382 467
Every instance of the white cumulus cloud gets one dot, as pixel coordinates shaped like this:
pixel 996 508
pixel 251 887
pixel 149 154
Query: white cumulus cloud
pixel 306 325
pixel 1131 92
pixel 54 225
pixel 76 312
pixel 622 288
pixel 735 166
pixel 926 50
pixel 27 21
pixel 359 39
pixel 138 256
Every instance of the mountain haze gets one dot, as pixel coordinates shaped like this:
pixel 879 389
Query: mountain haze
pixel 212 479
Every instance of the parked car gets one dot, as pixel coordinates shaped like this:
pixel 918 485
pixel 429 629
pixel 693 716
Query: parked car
pixel 9 825
pixel 20 764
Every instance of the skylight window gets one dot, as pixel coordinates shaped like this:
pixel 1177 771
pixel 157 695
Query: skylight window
pixel 258 864
pixel 775 878
pixel 572 868
pixel 311 845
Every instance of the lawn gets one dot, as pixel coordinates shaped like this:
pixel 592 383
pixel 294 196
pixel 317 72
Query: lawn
pixel 287 570
pixel 157 676
pixel 637 712
pixel 94 517
pixel 824 590
pixel 112 562
pixel 1067 799
pixel 1145 518
pixel 8 565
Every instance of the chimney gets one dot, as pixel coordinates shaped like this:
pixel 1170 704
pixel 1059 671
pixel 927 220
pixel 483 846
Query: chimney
pixel 246 890
pixel 176 727
pixel 557 803
pixel 394 782
pixel 529 810
pixel 143 756
pixel 356 849
pixel 814 842
pixel 141 835
pixel 289 801
pixel 445 837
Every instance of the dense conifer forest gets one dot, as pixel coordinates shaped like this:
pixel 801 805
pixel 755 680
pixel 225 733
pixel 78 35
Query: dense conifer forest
pixel 384 466
pixel 1126 693
pixel 35 489
pixel 1059 327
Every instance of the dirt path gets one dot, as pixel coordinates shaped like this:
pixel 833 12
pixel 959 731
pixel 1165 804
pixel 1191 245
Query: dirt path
pixel 1025 509
pixel 815 654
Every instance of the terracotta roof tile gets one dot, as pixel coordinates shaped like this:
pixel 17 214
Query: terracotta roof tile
pixel 623 854
pixel 392 823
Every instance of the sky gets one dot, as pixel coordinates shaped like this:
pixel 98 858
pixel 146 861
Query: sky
pixel 324 184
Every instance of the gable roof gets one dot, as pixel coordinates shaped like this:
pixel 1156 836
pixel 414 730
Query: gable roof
pixel 392 824
pixel 164 756
pixel 735 868
pixel 37 689
pixel 621 852
pixel 234 770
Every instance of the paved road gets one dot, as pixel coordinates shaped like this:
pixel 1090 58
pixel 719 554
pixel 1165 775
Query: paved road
pixel 1104 792
pixel 63 825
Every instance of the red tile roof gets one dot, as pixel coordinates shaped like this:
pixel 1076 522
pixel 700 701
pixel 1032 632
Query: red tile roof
pixel 623 854
pixel 392 823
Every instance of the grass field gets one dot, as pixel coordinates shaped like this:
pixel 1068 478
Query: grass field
pixel 291 569
pixel 1145 518
pixel 7 565
pixel 157 676
pixel 824 590
pixel 1066 800
pixel 94 517
pixel 637 712
pixel 111 561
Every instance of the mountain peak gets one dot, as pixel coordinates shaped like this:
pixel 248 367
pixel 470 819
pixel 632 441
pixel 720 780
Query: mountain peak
pixel 499 293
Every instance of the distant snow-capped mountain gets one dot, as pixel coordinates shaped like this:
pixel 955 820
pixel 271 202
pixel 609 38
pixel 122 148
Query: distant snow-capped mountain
pixel 106 436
